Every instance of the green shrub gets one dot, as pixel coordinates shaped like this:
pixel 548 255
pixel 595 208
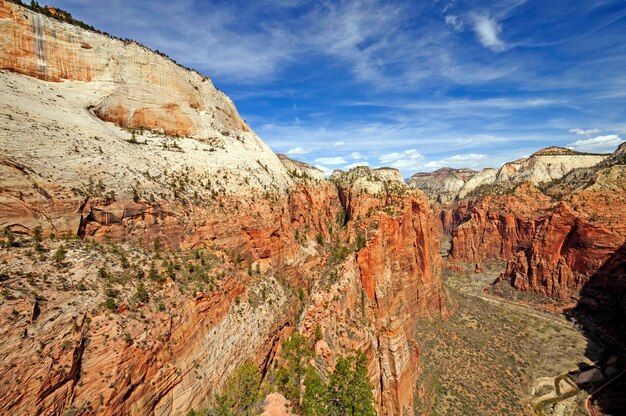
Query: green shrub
pixel 142 294
pixel 9 238
pixel 241 392
pixel 349 389
pixel 59 255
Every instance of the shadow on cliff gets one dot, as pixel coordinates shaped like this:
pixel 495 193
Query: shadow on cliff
pixel 600 314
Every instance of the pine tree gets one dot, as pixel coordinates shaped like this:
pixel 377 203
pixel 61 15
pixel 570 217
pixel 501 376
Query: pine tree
pixel 339 388
pixel 297 352
pixel 59 255
pixel 349 391
pixel 315 394
pixel 241 392
pixel 363 398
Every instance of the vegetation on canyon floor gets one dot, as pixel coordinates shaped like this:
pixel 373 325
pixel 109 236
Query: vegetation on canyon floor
pixel 469 365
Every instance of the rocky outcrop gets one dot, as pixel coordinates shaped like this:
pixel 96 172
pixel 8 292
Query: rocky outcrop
pixel 565 251
pixel 392 279
pixel 445 185
pixel 137 87
pixel 495 227
pixel 275 405
pixel 554 239
pixel 581 234
pixel 301 170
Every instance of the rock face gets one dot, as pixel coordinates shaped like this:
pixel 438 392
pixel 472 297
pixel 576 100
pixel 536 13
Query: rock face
pixel 565 251
pixel 107 141
pixel 154 94
pixel 301 170
pixel 554 239
pixel 392 279
pixel 493 226
pixel 581 234
pixel 447 185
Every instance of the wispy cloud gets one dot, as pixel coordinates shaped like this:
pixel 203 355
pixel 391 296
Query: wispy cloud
pixel 488 31
pixel 584 132
pixel 298 151
pixel 337 160
pixel 356 156
pixel 357 79
pixel 455 22
pixel 468 160
pixel 408 159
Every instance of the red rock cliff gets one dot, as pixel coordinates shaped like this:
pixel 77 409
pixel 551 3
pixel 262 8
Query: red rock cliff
pixel 220 189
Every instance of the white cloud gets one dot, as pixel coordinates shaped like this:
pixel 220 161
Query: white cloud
pixel 356 156
pixel 583 132
pixel 337 160
pixel 455 22
pixel 355 164
pixel 339 143
pixel 324 169
pixel 599 144
pixel 488 31
pixel 298 151
pixel 468 160
pixel 408 159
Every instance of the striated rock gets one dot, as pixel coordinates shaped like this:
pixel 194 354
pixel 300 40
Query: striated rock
pixel 190 176
pixel 363 179
pixel 393 278
pixel 566 250
pixel 555 240
pixel 497 227
pixel 156 93
pixel 445 185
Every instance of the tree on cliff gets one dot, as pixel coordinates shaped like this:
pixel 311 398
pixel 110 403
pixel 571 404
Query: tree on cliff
pixel 315 394
pixel 241 392
pixel 348 393
pixel 349 390
pixel 297 353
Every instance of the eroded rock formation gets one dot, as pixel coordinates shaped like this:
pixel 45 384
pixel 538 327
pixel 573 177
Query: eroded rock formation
pixel 554 238
pixel 110 142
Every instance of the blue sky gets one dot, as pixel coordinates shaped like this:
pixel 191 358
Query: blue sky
pixel 411 84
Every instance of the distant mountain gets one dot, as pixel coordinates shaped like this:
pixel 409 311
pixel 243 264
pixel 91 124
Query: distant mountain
pixel 546 165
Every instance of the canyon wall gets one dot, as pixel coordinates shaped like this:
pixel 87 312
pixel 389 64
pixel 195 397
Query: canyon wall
pixel 398 268
pixel 170 191
pixel 555 238
pixel 139 87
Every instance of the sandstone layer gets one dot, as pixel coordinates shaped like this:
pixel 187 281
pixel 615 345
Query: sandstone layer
pixel 198 247
pixel 555 238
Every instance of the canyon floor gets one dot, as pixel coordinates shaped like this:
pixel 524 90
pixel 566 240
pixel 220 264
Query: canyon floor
pixel 505 352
